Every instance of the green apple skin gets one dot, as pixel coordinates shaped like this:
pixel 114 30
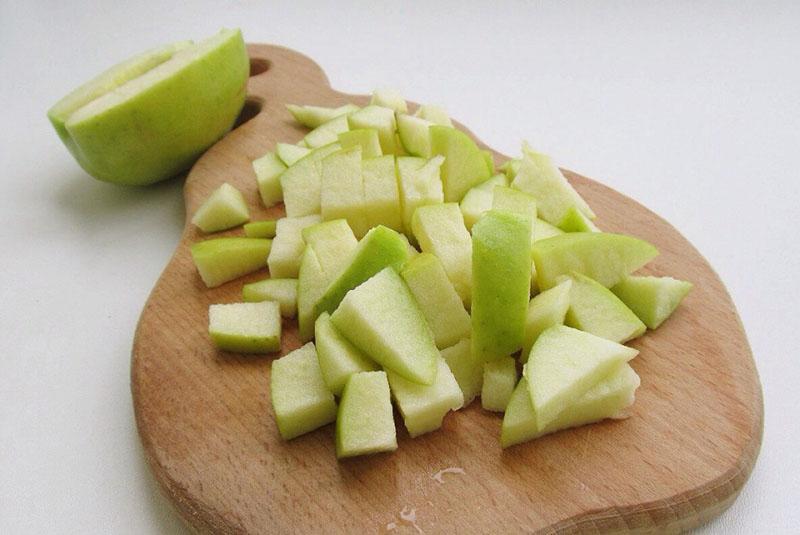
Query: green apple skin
pixel 499 379
pixel 261 229
pixel 300 399
pixel 342 195
pixel 479 199
pixel 223 259
pixel 382 319
pixel 604 257
pixel 424 406
pixel 282 291
pixel 652 299
pixel 365 421
pixel 288 246
pixel 414 135
pixel 327 133
pixel 464 165
pixel 225 208
pixel 380 248
pixel 366 138
pixel 593 308
pixel 246 327
pixel 501 278
pixel 564 364
pixel 576 221
pixel 291 154
pixel 302 182
pixel 467 370
pixel 338 358
pixel 268 170
pixel 314 116
pixel 152 126
pixel 381 193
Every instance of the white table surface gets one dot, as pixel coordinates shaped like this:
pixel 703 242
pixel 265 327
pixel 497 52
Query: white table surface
pixel 693 109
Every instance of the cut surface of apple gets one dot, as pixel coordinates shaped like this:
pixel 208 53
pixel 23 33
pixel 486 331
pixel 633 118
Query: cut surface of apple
pixel 366 138
pixel 595 309
pixel 389 98
pixel 365 423
pixel 288 245
pixel 545 310
pixel 246 327
pixel 545 230
pixel 464 165
pixel 440 230
pixel 564 364
pixel 223 259
pixel 261 229
pixel 225 208
pixel 499 379
pixel 338 358
pixel 381 193
pixel 314 116
pixel 511 167
pixel 327 133
pixel 652 299
pixel 424 406
pixel 604 257
pixel 437 298
pixel 379 118
pixel 302 182
pixel 282 291
pixel 419 184
pixel 501 278
pixel 300 399
pixel 268 170
pixel 151 117
pixel 342 195
pixel 414 134
pixel 434 114
pixel 290 154
pixel 576 221
pixel 467 370
pixel 382 319
pixel 478 199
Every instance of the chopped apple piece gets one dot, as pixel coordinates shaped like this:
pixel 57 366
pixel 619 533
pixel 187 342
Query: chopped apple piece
pixel 434 114
pixel 437 298
pixel 338 358
pixel 300 399
pixel 545 230
pixel 414 135
pixel 380 248
pixel 488 157
pixel 575 221
pixel 225 208
pixel 383 320
pixel 327 133
pixel 302 182
pixel 288 245
pixel 652 299
pixel 467 370
pixel 564 364
pixel 389 98
pixel 333 241
pixel 365 423
pixel 478 200
pixel 290 154
pixel 547 309
pixel 283 291
pixel 419 184
pixel 381 194
pixel 511 168
pixel 424 406
pixel 464 165
pixel 501 272
pixel 412 251
pixel 595 309
pixel 314 116
pixel 606 258
pixel 343 190
pixel 246 327
pixel 499 379
pixel 261 229
pixel 268 170
pixel 366 138
pixel 440 230
pixel 518 202
pixel 379 118
pixel 224 259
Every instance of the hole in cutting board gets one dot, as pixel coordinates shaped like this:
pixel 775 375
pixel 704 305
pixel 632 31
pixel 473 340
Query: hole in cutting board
pixel 252 106
pixel 258 66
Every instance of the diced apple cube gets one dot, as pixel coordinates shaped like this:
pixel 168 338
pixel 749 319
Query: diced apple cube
pixel 327 133
pixel 290 154
pixel 365 423
pixel 343 190
pixel 302 183
pixel 225 208
pixel 467 370
pixel 414 135
pixel 381 119
pixel 261 229
pixel 268 170
pixel 652 299
pixel 288 245
pixel 434 114
pixel 464 166
pixel 338 358
pixel 389 98
pixel 283 291
pixel 478 199
pixel 366 138
pixel 546 310
pixel 223 259
pixel 499 379
pixel 246 327
pixel 314 116
pixel 381 193
pixel 419 185
pixel 595 309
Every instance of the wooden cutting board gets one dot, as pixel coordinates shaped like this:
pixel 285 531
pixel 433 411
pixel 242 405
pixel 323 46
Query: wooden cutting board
pixel 209 434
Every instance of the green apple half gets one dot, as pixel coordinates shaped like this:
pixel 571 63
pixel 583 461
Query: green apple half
pixel 152 116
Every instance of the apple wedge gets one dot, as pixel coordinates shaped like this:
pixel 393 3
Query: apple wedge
pixel 434 114
pixel 225 208
pixel 414 134
pixel 314 116
pixel 381 193
pixel 223 259
pixel 282 291
pixel 464 165
pixel 546 310
pixel 499 379
pixel 338 358
pixel 365 423
pixel 379 118
pixel 291 154
pixel 467 370
pixel 246 327
pixel 419 184
pixel 366 138
pixel 478 199
pixel 268 170
pixel 261 229
pixel 652 299
pixel 389 98
pixel 327 133
pixel 593 308
pixel 302 182
pixel 288 245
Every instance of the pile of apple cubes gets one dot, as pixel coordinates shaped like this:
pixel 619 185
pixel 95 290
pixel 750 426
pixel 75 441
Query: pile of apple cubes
pixel 361 190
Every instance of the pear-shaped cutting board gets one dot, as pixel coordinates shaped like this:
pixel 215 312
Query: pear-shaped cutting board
pixel 206 421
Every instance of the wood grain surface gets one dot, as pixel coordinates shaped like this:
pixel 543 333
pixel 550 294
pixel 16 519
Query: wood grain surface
pixel 209 434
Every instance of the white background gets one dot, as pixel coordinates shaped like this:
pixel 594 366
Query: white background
pixel 691 108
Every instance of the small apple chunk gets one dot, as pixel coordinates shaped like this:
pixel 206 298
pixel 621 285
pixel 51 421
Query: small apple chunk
pixel 564 364
pixel 424 406
pixel 246 327
pixel 225 208
pixel 575 221
pixel 342 195
pixel 288 245
pixel 389 98
pixel 419 184
pixel 291 154
pixel 366 138
pixel 382 319
pixel 501 278
pixel 223 259
pixel 593 308
pixel 434 114
pixel 464 165
pixel 414 134
pixel 365 422
pixel 381 119
pixel 300 399
pixel 381 193
pixel 652 299
pixel 547 309
pixel 261 229
pixel 511 168
pixel 478 199
pixel 440 230
pixel 327 133
pixel 499 379
pixel 380 248
pixel 604 257
pixel 302 182
pixel 467 370
pixel 338 358
pixel 282 291
pixel 545 230
pixel 314 116
pixel 437 298
pixel 268 171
